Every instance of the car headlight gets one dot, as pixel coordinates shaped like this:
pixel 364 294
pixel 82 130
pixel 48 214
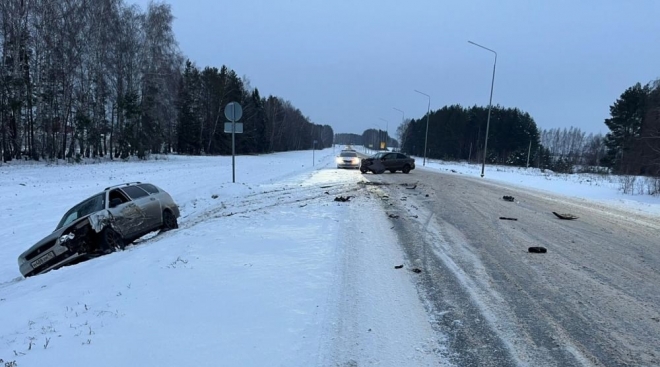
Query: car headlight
pixel 67 237
pixel 356 160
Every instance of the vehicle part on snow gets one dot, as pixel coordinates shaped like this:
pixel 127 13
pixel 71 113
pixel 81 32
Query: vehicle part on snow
pixel 343 198
pixel 507 198
pixel 393 216
pixel 416 270
pixel 565 216
pixel 537 250
pixel 398 266
pixel 507 218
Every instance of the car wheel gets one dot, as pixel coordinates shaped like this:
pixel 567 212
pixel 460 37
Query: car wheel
pixel 406 169
pixel 392 171
pixel 111 241
pixel 169 221
pixel 363 170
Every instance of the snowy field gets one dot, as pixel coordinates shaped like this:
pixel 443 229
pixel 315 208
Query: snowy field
pixel 267 271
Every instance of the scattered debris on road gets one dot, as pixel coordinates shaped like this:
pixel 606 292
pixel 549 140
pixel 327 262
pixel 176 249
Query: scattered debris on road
pixel 565 216
pixel 508 198
pixel 398 266
pixel 412 188
pixel 507 218
pixel 416 270
pixel 537 250
pixel 343 199
pixel 393 216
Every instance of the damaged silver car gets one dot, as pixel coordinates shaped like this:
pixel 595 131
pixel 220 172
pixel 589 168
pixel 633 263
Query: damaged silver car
pixel 101 224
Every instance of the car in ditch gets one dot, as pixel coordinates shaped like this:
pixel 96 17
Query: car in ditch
pixel 387 161
pixel 100 224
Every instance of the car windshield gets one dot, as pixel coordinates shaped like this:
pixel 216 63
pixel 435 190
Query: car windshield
pixel 348 154
pixel 84 208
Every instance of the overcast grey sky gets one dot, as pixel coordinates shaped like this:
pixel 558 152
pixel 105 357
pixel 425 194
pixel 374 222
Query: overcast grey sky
pixel 348 63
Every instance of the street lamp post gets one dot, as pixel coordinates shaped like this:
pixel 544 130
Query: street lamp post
pixel 428 114
pixel 403 119
pixel 490 104
pixel 387 129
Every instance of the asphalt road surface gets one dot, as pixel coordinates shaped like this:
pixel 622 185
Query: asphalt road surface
pixel 592 300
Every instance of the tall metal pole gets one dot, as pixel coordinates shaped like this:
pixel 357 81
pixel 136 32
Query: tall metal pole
pixel 233 144
pixel 529 151
pixel 428 115
pixel 403 120
pixel 490 104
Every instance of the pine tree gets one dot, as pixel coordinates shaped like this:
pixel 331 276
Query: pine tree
pixel 625 124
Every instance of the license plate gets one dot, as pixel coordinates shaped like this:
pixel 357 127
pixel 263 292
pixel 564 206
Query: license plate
pixel 42 260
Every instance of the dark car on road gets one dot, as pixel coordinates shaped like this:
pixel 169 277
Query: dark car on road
pixel 101 224
pixel 387 161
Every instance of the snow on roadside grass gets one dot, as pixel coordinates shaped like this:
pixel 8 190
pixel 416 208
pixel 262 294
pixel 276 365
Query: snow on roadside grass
pixel 604 189
pixel 250 278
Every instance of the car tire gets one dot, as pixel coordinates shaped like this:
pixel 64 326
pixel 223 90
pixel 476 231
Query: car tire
pixel 169 221
pixel 111 241
pixel 406 169
pixel 363 170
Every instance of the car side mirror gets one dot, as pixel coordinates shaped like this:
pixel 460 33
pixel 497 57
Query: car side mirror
pixel 115 202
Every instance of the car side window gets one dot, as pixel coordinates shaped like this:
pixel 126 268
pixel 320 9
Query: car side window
pixel 134 192
pixel 400 156
pixel 149 188
pixel 116 197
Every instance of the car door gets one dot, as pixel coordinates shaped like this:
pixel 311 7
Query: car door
pixel 401 160
pixel 389 161
pixel 148 207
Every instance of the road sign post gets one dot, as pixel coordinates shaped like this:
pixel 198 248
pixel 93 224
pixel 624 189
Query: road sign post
pixel 313 151
pixel 233 113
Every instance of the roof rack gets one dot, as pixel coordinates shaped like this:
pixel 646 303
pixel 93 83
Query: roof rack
pixel 124 184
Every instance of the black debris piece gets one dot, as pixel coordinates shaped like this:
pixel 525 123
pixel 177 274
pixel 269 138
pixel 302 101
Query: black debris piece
pixel 565 216
pixel 427 195
pixel 398 266
pixel 508 198
pixel 393 216
pixel 538 250
pixel 453 170
pixel 343 199
pixel 416 270
pixel 326 187
pixel 506 218
pixel 412 188
pixel 327 193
